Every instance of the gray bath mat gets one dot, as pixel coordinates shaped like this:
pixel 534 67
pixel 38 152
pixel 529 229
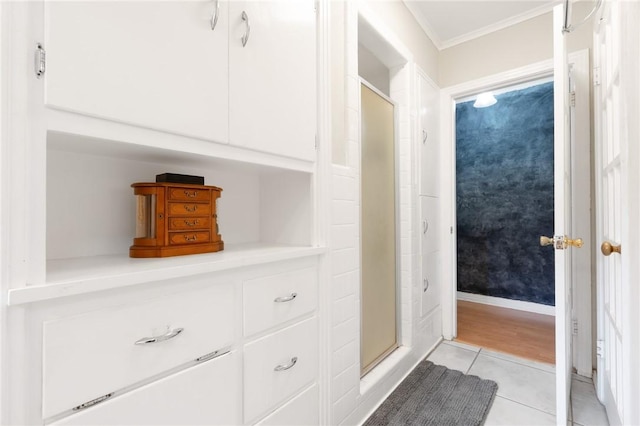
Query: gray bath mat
pixel 434 395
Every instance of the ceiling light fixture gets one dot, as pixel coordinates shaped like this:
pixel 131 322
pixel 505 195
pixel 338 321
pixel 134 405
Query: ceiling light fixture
pixel 485 100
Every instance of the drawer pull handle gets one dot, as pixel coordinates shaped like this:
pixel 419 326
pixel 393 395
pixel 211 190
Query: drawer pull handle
pixel 190 208
pixel 283 299
pixel 190 238
pixel 283 367
pixel 191 194
pixel 157 339
pixel 192 222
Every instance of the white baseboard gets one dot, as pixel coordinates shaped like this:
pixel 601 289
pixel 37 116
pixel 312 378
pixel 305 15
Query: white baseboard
pixel 507 303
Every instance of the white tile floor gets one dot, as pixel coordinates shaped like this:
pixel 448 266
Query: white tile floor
pixel 526 389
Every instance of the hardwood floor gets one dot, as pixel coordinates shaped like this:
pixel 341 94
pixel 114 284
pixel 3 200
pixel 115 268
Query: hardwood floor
pixel 524 334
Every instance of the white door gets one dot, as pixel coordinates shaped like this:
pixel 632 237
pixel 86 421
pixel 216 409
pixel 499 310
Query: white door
pixel 155 64
pixel 609 204
pixel 562 217
pixel 272 75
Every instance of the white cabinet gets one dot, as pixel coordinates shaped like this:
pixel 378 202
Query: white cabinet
pixel 160 65
pixel 155 64
pixel 275 299
pixel 207 394
pixel 133 89
pixel 279 365
pixel 430 282
pixel 303 410
pixel 91 355
pixel 430 225
pixel 272 76
pixel 430 203
pixel 429 101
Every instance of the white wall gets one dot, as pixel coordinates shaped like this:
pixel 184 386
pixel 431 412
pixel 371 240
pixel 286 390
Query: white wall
pixel 373 70
pixel 522 44
pixel 401 22
pixel 352 399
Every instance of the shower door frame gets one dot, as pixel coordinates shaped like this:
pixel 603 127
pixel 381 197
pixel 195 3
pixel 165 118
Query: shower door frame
pixel 397 212
pixel 449 96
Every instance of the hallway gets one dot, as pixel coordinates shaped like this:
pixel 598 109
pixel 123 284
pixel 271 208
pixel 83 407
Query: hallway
pixel 524 334
pixel 526 389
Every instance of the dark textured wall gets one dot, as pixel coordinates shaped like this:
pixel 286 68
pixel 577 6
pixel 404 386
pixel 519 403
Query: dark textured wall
pixel 505 195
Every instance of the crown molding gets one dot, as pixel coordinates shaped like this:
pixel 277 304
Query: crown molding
pixel 505 23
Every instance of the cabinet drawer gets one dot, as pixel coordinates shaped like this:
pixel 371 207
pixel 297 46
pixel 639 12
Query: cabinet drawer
pixel 188 194
pixel 193 237
pixel 279 365
pixel 207 394
pixel 430 282
pixel 183 223
pixel 272 300
pixel 300 411
pixel 189 209
pixel 90 355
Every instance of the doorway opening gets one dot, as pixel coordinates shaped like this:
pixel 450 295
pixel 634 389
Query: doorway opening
pixel 504 203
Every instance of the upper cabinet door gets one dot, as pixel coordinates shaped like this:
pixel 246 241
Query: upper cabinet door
pixel 429 137
pixel 155 64
pixel 272 81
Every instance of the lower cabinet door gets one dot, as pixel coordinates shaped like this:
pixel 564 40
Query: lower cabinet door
pixel 208 393
pixel 278 366
pixel 430 282
pixel 303 410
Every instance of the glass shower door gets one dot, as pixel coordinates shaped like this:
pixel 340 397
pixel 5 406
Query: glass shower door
pixel 378 229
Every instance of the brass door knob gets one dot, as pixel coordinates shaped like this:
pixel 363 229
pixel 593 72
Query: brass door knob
pixel 546 241
pixel 574 243
pixel 562 242
pixel 607 248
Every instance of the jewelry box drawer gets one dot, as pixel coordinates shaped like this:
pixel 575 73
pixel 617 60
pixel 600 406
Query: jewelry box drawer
pixel 184 223
pixel 193 237
pixel 189 209
pixel 88 356
pixel 269 301
pixel 278 366
pixel 188 194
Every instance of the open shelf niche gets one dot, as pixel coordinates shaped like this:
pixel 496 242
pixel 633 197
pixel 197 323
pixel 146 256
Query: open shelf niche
pixel 265 214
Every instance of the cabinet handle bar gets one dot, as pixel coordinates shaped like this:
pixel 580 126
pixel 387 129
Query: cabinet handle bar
pixel 285 298
pixel 283 367
pixel 214 15
pixel 245 37
pixel 157 339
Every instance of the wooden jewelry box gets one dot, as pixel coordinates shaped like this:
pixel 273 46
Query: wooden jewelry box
pixel 174 219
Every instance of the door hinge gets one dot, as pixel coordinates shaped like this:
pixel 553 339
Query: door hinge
pixel 596 76
pixel 574 327
pixel 600 348
pixel 93 402
pixel 572 98
pixel 40 60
